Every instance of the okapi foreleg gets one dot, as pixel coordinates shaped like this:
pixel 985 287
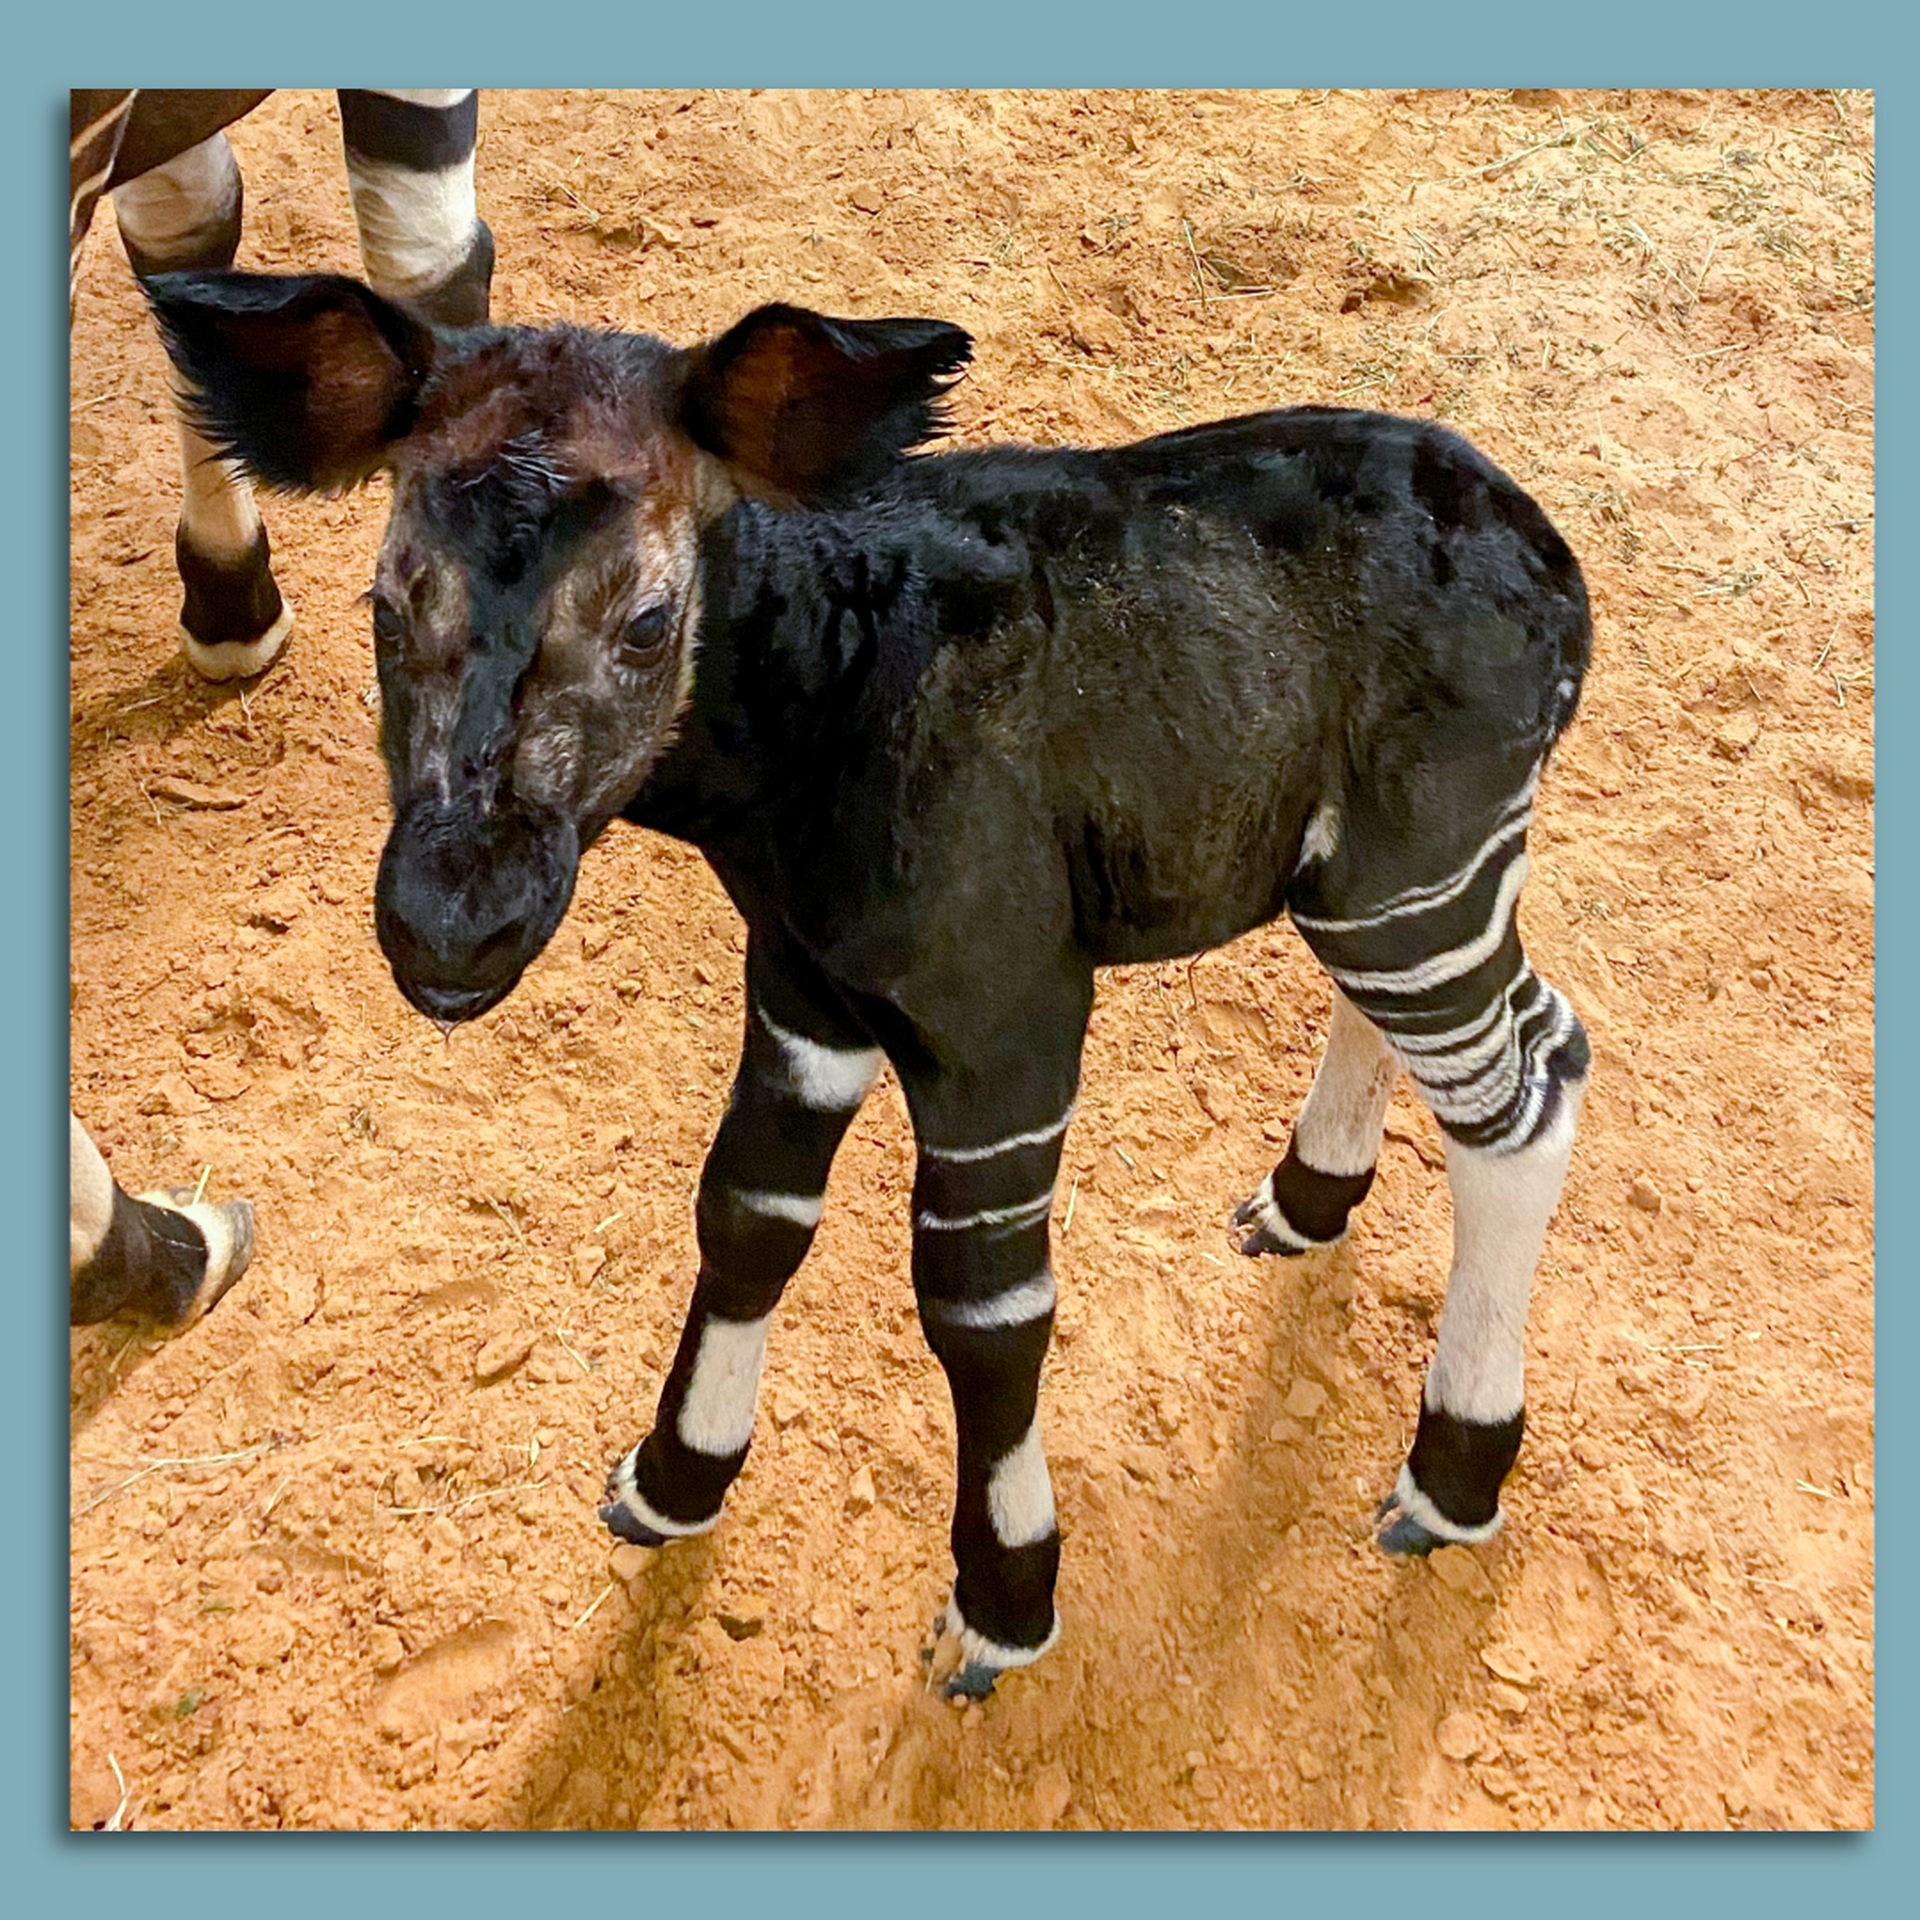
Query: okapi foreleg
pixel 804 1071
pixel 990 1138
pixel 410 171
pixel 183 215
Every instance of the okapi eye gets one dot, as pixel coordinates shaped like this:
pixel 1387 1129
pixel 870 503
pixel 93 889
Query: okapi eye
pixel 643 636
pixel 387 625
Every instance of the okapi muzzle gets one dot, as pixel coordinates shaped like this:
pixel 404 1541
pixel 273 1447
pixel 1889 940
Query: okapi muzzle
pixel 465 900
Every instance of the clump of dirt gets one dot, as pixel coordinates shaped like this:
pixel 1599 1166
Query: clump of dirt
pixel 335 1559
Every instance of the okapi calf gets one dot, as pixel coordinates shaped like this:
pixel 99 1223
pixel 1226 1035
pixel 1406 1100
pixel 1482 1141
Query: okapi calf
pixel 953 731
pixel 166 1255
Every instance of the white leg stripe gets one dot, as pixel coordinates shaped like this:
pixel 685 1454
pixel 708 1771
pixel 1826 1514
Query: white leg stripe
pixel 717 1415
pixel 90 1194
pixel 1013 1140
pixel 1421 899
pixel 172 205
pixel 1016 1307
pixel 1447 966
pixel 1416 1506
pixel 630 1497
pixel 1020 1495
pixel 415 228
pixel 1501 1206
pixel 827 1079
pixel 217 502
pixel 1338 1131
pixel 801 1208
pixel 439 97
pixel 1026 1214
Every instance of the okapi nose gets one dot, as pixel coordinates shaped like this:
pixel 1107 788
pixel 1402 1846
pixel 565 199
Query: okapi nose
pixel 464 901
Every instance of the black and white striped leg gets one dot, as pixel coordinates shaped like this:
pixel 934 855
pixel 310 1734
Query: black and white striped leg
pixel 233 623
pixel 990 1144
pixel 163 1254
pixel 1433 960
pixel 804 1070
pixel 410 172
pixel 1305 1201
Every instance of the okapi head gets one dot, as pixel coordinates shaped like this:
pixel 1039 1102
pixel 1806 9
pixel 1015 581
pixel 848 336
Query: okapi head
pixel 536 606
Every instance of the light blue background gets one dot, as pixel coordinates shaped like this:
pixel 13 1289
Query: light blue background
pixel 742 43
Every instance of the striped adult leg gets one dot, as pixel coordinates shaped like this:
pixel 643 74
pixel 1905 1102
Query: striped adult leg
pixel 185 214
pixel 410 171
pixel 1418 929
pixel 990 1137
pixel 804 1070
pixel 164 1254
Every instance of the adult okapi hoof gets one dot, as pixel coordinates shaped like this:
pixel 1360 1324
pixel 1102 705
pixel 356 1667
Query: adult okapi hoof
pixel 227 1227
pixel 223 660
pixel 233 623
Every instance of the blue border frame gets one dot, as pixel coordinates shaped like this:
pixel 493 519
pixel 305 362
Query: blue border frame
pixel 990 42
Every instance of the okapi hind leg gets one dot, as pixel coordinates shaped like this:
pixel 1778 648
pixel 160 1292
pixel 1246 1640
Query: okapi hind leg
pixel 1416 924
pixel 1305 1201
pixel 1472 1411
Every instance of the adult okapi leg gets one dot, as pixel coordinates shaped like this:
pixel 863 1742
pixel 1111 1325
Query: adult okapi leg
pixel 804 1070
pixel 990 1136
pixel 1418 928
pixel 410 171
pixel 1304 1202
pixel 185 213
pixel 163 1254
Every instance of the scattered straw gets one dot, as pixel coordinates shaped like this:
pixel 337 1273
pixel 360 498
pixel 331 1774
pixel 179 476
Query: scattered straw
pixel 179 1463
pixel 595 1608
pixel 116 1822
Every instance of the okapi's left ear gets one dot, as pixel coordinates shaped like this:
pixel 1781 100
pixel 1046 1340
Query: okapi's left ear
pixel 810 410
pixel 307 380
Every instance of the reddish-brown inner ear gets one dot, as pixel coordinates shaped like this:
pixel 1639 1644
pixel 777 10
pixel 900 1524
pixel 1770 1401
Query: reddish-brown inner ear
pixel 746 413
pixel 355 384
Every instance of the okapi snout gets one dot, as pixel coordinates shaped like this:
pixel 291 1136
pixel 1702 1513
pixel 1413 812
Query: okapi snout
pixel 465 901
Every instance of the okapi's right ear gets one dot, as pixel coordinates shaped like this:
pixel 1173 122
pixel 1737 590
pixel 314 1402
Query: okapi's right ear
pixel 307 380
pixel 809 410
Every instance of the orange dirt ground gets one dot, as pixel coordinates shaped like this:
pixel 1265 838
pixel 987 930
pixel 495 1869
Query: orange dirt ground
pixel 335 1559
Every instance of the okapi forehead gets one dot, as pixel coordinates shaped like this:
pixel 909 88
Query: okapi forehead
pixel 531 438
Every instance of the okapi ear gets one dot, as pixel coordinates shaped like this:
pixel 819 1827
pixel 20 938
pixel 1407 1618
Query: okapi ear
pixel 810 410
pixel 306 379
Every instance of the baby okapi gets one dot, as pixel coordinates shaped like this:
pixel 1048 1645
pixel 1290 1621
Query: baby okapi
pixel 953 731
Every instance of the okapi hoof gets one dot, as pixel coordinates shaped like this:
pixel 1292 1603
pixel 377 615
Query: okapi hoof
pixel 624 1526
pixel 233 623
pixel 1411 1524
pixel 228 1229
pixel 1299 1209
pixel 628 1516
pixel 223 660
pixel 963 1665
pixel 1272 1232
